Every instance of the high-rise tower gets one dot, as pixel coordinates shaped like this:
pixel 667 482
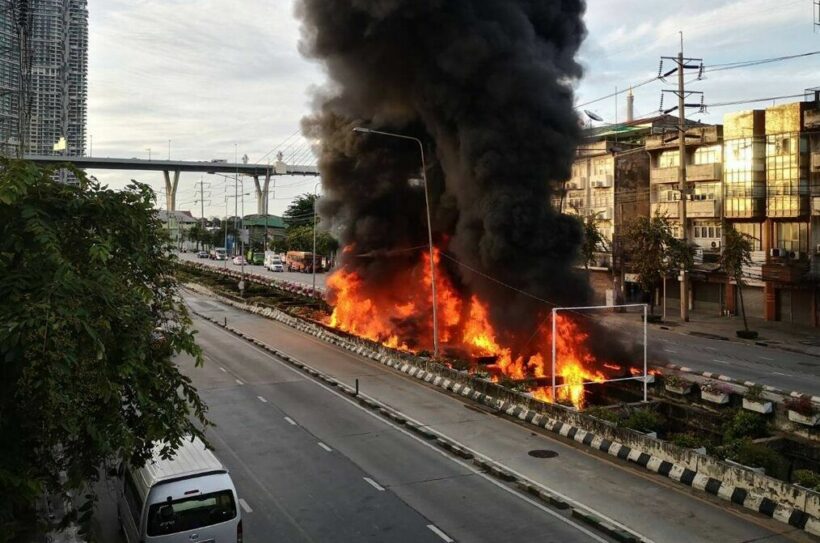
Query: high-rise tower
pixel 43 75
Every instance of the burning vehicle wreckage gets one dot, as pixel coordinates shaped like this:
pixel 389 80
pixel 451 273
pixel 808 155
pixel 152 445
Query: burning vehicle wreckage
pixel 486 88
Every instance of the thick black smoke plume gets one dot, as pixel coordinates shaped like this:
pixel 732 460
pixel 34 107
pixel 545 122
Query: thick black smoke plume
pixel 486 85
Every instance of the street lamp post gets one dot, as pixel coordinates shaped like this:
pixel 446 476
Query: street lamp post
pixel 429 223
pixel 313 267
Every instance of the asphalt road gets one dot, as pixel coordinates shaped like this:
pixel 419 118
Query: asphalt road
pixel 656 508
pixel 295 277
pixel 311 465
pixel 767 365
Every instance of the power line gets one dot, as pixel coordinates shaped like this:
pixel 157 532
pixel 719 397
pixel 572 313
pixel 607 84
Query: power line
pixel 751 100
pixel 748 63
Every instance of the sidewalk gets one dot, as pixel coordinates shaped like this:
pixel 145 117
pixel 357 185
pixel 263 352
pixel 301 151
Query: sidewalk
pixel 774 334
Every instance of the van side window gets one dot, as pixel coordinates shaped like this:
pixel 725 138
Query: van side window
pixel 132 498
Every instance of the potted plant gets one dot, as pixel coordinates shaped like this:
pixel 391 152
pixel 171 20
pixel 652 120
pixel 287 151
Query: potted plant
pixel 677 385
pixel 715 392
pixel 802 411
pixel 753 400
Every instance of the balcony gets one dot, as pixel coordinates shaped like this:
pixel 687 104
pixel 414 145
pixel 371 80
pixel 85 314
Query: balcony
pixel 815 205
pixel 601 181
pixel 744 207
pixel 702 208
pixel 663 175
pixel 815 162
pixel 669 209
pixel 704 172
pixel 812 118
pixel 787 205
pixel 602 213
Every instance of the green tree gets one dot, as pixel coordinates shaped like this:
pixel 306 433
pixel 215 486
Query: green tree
pixel 736 253
pixel 300 211
pixel 594 241
pixel 90 320
pixel 300 238
pixel 652 251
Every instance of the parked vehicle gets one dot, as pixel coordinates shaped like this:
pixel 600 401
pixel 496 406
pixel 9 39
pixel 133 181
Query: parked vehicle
pixel 202 254
pixel 219 254
pixel 301 261
pixel 240 260
pixel 190 497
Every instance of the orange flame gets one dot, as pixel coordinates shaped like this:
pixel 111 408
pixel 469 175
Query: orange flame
pixel 390 315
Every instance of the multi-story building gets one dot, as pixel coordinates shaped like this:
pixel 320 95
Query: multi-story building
pixel 789 292
pixel 58 38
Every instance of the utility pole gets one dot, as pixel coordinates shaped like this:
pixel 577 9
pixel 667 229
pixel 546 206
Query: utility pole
pixel 681 65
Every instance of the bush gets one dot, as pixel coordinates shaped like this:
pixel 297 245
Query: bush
pixel 689 441
pixel 609 415
pixel 806 478
pixel 676 381
pixel 744 424
pixel 754 455
pixel 645 420
pixel 754 393
pixel 715 387
pixel 802 405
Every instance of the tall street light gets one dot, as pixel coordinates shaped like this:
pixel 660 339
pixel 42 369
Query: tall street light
pixel 429 224
pixel 313 266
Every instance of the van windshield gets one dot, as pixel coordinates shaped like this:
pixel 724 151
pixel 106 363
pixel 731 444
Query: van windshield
pixel 191 513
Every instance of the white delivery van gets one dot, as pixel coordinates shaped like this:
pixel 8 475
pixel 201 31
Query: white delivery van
pixel 274 262
pixel 188 499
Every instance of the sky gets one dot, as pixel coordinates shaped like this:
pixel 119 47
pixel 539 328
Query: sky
pixel 218 79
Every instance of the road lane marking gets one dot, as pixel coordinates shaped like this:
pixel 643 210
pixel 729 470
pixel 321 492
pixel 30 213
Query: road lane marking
pixel 439 533
pixel 245 506
pixel 325 447
pixel 710 348
pixel 261 399
pixel 468 466
pixel 671 351
pixel 290 421
pixel 374 484
pixel 767 358
pixel 238 382
pixel 720 361
pixel 783 374
pixel 222 369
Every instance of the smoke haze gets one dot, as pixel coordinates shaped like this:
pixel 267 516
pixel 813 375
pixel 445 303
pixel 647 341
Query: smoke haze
pixel 487 86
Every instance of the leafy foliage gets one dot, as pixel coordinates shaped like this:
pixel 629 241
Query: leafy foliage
pixel 806 478
pixel 300 238
pixel 594 241
pixel 755 455
pixel 802 405
pixel 90 319
pixel 736 253
pixel 653 251
pixel 754 393
pixel 645 420
pixel 300 211
pixel 744 424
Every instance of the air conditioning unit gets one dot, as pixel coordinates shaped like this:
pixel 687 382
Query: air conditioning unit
pixel 571 186
pixel 716 244
pixel 795 255
pixel 599 184
pixel 777 253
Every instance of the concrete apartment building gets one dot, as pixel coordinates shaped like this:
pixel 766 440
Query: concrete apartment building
pixel 759 171
pixel 58 38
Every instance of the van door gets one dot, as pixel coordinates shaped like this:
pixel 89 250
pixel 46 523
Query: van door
pixel 130 509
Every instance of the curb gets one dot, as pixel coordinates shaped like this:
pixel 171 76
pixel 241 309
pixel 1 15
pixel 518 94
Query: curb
pixel 681 474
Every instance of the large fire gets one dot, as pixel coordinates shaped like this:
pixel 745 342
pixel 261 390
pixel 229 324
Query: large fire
pixel 399 317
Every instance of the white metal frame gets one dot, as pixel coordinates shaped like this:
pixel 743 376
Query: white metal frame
pixel 644 377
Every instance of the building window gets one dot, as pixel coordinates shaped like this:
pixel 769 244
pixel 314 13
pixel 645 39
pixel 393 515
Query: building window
pixel 792 236
pixel 707 230
pixel 753 230
pixel 669 159
pixel 708 155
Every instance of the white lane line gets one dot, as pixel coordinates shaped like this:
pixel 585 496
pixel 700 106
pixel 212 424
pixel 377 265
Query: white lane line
pixel 721 361
pixel 439 533
pixel 261 399
pixel 374 484
pixel 670 351
pixel 498 484
pixel 767 358
pixel 222 369
pixel 325 447
pixel 245 506
pixel 783 374
pixel 290 421
pixel 238 382
pixel 710 348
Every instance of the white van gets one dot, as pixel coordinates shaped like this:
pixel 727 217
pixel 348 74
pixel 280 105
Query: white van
pixel 274 262
pixel 188 499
